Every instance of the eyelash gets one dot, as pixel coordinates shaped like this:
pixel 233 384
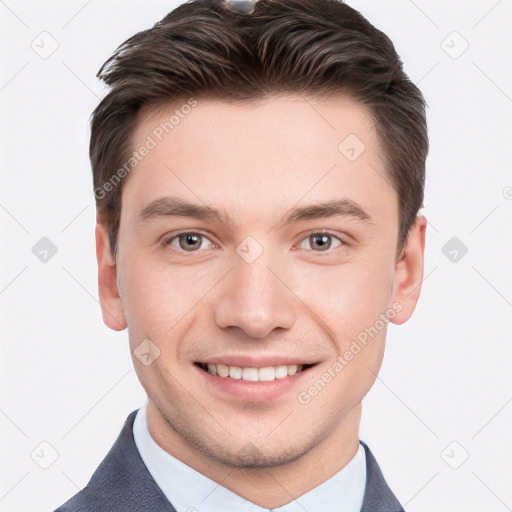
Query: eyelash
pixel 168 241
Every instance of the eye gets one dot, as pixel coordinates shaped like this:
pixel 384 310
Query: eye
pixel 322 242
pixel 188 242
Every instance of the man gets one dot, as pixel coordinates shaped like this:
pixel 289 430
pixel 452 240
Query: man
pixel 258 176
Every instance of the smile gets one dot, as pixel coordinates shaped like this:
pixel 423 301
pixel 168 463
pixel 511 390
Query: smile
pixel 253 374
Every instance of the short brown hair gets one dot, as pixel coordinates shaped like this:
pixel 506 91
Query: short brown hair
pixel 314 47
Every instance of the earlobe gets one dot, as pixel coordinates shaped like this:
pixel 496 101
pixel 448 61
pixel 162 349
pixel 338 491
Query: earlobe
pixel 110 301
pixel 409 272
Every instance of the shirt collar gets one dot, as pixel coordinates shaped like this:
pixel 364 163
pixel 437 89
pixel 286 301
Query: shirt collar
pixel 190 491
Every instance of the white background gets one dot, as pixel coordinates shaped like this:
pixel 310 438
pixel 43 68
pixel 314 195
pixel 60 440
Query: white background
pixel 68 381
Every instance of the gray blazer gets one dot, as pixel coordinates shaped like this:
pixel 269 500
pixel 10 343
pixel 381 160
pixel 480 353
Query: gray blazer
pixel 122 483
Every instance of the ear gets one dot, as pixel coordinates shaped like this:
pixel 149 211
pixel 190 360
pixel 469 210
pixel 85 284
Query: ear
pixel 110 301
pixel 409 272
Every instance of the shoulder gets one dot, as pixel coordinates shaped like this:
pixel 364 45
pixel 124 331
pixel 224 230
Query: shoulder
pixel 121 483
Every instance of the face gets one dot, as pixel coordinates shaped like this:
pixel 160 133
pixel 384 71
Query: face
pixel 256 272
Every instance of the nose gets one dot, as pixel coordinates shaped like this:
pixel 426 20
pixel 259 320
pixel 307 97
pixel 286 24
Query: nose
pixel 254 299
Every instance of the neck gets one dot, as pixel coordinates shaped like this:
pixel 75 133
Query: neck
pixel 269 487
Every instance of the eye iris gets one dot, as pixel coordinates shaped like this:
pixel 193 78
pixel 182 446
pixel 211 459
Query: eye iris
pixel 189 242
pixel 323 242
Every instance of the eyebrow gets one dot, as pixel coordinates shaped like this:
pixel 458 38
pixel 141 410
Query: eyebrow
pixel 171 207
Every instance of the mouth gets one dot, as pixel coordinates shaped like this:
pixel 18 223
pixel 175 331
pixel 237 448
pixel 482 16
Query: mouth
pixel 252 373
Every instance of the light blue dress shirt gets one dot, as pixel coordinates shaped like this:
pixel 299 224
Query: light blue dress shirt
pixel 190 491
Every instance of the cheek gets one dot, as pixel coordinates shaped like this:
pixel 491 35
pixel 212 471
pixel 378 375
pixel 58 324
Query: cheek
pixel 157 297
pixel 350 305
pixel 347 298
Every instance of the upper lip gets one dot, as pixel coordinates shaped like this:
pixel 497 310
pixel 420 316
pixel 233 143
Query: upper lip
pixel 248 361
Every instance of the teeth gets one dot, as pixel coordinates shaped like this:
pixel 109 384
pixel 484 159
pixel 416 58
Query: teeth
pixel 250 374
pixel 267 373
pixel 235 372
pixel 281 372
pixel 222 370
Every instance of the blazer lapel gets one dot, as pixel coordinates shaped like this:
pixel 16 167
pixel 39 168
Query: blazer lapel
pixel 378 497
pixel 121 482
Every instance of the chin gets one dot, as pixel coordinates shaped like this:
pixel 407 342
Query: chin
pixel 254 456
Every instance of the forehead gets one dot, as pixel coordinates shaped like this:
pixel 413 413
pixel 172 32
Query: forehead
pixel 261 154
pixel 314 122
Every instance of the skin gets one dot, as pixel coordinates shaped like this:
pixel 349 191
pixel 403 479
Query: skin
pixel 257 161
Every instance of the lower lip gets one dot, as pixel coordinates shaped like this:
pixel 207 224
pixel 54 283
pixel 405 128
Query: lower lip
pixel 252 391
